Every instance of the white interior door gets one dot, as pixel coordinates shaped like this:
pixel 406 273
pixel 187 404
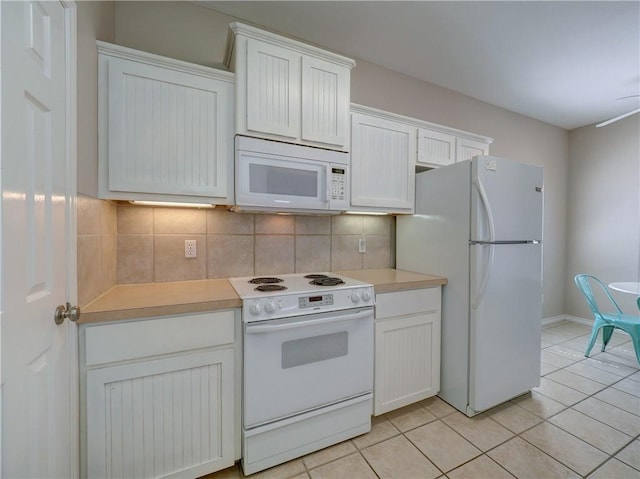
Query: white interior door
pixel 39 364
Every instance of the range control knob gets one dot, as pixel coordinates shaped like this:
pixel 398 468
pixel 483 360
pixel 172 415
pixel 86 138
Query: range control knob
pixel 355 297
pixel 269 307
pixel 366 296
pixel 254 309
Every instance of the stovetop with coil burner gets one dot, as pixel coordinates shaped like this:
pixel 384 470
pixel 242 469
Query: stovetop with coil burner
pixel 278 296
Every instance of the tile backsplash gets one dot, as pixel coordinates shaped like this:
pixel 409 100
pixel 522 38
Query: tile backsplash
pixel 97 244
pixel 142 244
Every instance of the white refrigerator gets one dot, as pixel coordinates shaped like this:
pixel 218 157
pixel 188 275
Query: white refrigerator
pixel 479 223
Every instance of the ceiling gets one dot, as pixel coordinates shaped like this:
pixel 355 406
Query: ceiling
pixel 564 63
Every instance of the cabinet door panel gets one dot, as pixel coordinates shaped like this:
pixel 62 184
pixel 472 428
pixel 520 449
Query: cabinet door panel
pixel 161 418
pixel 168 131
pixel 273 89
pixel 435 148
pixel 382 163
pixel 407 360
pixel 467 149
pixel 325 101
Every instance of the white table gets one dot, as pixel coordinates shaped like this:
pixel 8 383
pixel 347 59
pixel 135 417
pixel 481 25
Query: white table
pixel 632 287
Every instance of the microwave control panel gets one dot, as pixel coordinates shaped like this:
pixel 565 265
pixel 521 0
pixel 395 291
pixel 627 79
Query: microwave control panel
pixel 338 183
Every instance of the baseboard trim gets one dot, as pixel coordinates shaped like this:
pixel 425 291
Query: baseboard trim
pixel 561 317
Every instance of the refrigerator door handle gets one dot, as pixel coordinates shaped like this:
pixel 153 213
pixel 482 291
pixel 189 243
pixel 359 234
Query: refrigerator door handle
pixel 487 207
pixel 485 277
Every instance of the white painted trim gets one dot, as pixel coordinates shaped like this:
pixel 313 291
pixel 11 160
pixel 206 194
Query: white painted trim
pixel 552 320
pixel 561 317
pixel 284 42
pixel 367 110
pixel 71 234
pixel 579 320
pixel 163 62
pixel 1 258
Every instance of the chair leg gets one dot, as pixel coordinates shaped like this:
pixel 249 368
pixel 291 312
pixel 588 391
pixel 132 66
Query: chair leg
pixel 607 332
pixel 636 346
pixel 592 340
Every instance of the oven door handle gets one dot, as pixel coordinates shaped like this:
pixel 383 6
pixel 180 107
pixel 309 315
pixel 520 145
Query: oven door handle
pixel 268 328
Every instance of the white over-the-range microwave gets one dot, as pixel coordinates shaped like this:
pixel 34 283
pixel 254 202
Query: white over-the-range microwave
pixel 276 177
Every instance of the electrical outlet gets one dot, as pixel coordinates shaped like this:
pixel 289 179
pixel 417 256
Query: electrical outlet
pixel 362 245
pixel 190 249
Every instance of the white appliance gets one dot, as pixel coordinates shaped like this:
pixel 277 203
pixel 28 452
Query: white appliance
pixel 282 177
pixel 479 223
pixel 308 364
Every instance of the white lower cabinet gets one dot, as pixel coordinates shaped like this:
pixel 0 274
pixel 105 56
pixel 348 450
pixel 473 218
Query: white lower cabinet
pixel 407 348
pixel 159 396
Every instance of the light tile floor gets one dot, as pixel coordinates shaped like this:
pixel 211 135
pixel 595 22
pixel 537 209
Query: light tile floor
pixel 583 421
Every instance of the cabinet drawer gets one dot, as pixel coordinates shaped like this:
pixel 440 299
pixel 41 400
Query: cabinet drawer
pixel 139 339
pixel 413 301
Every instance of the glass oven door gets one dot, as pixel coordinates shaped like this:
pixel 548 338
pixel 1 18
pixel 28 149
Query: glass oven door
pixel 299 364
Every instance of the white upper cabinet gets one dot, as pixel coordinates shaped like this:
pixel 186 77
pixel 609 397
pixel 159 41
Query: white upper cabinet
pixel 383 152
pixel 165 129
pixel 289 91
pixel 386 148
pixel 436 148
pixel 467 148
pixel 441 146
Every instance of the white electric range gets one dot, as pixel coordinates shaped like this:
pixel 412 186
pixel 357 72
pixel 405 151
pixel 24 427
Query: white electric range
pixel 308 364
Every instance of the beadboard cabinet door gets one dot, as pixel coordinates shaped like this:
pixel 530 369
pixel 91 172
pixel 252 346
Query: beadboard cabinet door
pixel 436 148
pixel 407 348
pixel 169 417
pixel 273 89
pixel 289 91
pixel 165 129
pixel 325 102
pixel 467 149
pixel 382 164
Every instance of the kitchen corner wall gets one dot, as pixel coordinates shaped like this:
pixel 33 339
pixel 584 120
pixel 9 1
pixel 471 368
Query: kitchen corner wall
pixel 603 226
pixel 97 241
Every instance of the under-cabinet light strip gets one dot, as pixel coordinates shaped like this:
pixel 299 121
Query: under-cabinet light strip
pixel 171 204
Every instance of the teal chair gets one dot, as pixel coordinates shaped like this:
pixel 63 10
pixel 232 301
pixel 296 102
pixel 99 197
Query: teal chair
pixel 607 321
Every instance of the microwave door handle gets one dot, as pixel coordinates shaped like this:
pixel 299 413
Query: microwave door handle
pixel 300 323
pixel 327 170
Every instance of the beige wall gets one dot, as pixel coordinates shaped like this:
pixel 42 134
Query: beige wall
pixel 96 21
pixel 189 32
pixel 603 236
pixel 175 29
pixel 97 261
